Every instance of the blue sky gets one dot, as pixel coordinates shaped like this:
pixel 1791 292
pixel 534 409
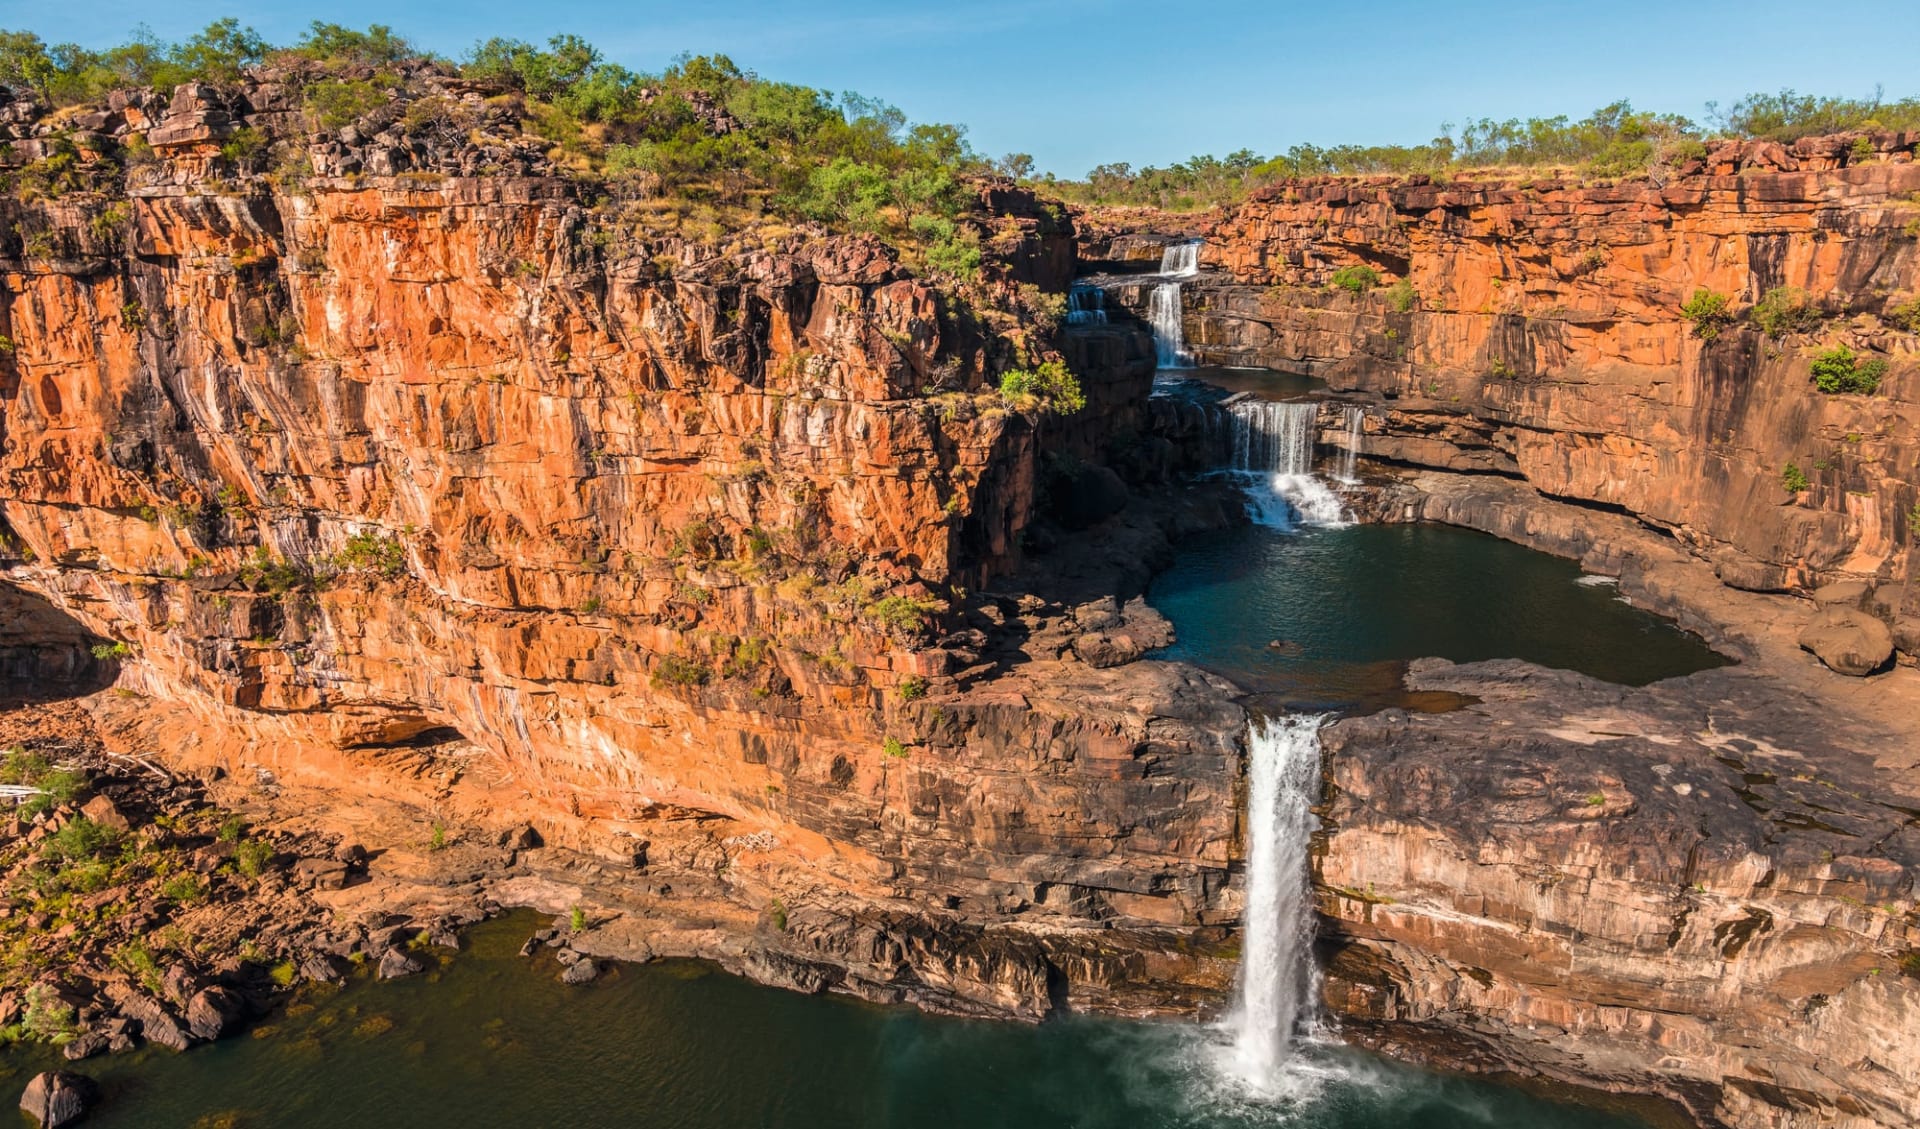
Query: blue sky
pixel 1080 82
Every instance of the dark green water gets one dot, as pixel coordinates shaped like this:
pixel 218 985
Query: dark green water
pixel 493 1041
pixel 1351 605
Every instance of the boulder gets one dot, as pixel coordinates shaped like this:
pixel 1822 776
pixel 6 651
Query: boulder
pixel 1842 593
pixel 521 838
pixel 157 1024
pixel 1849 642
pixel 395 963
pixel 581 971
pixel 55 1098
pixel 212 1012
pixel 320 874
pixel 84 1046
pixel 106 813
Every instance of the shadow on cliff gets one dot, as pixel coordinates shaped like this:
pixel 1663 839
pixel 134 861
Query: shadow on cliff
pixel 45 654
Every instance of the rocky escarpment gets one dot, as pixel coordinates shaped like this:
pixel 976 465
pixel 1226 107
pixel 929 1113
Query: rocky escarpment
pixel 407 465
pixel 1533 329
pixel 1699 888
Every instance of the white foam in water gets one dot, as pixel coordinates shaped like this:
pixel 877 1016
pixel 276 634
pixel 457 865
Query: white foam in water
pixel 1270 446
pixel 1596 581
pixel 1276 1002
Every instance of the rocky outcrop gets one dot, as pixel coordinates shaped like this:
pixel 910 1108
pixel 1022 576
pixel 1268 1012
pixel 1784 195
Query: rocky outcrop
pixel 413 466
pixel 1533 329
pixel 1700 888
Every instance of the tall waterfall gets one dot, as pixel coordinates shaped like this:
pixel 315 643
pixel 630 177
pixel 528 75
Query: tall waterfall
pixel 1169 336
pixel 1278 979
pixel 1164 308
pixel 1356 435
pixel 1275 440
pixel 1086 305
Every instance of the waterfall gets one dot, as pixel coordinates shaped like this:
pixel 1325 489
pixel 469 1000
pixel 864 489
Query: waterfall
pixel 1164 307
pixel 1356 434
pixel 1273 441
pixel 1180 260
pixel 1086 305
pixel 1278 980
pixel 1169 337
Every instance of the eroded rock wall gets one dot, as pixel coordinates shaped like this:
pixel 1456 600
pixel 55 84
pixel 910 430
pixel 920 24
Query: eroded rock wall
pixel 1540 336
pixel 658 533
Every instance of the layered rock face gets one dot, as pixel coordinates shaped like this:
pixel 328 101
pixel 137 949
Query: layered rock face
pixel 413 460
pixel 1698 888
pixel 1539 335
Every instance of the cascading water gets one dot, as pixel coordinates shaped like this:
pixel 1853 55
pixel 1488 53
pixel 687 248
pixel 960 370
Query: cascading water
pixel 1272 441
pixel 1164 308
pixel 1278 978
pixel 1180 260
pixel 1086 305
pixel 1356 435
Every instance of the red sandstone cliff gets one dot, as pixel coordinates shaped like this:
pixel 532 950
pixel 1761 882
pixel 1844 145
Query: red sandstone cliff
pixel 1541 338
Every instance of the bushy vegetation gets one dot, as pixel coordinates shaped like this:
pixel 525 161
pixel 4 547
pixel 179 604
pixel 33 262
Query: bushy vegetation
pixel 1356 279
pixel 1614 141
pixel 1793 480
pixel 1841 370
pixel 1050 387
pixel 1783 310
pixel 703 131
pixel 1708 312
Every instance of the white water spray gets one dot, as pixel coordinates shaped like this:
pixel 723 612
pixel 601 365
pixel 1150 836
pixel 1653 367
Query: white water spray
pixel 1273 441
pixel 1278 979
pixel 1180 260
pixel 1164 307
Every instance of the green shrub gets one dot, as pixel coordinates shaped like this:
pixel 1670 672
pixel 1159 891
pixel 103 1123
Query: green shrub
pixel 1708 313
pixel 901 615
pixel 184 888
pixel 677 670
pixel 1793 480
pixel 80 840
pixel 338 103
pixel 1051 386
pixel 252 857
pixel 1402 297
pixel 577 919
pixel 1906 315
pixel 1784 310
pixel 111 651
pixel 367 551
pixel 912 687
pixel 777 914
pixel 1840 371
pixel 893 748
pixel 1356 279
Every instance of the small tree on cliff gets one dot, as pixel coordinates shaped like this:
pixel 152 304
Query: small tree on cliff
pixel 1051 388
pixel 1708 312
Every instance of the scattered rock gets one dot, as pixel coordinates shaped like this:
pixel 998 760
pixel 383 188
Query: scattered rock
pixel 57 1098
pixel 581 971
pixel 320 874
pixel 522 838
pixel 85 1046
pixel 157 1024
pixel 1850 642
pixel 106 813
pixel 534 942
pixel 320 967
pixel 212 1012
pixel 395 963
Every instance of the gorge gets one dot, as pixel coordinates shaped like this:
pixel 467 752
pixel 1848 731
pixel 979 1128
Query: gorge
pixel 1154 628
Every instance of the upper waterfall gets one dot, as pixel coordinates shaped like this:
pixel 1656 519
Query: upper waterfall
pixel 1181 260
pixel 1166 310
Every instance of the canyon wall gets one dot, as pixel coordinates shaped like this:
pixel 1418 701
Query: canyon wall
pixel 1539 335
pixel 430 466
